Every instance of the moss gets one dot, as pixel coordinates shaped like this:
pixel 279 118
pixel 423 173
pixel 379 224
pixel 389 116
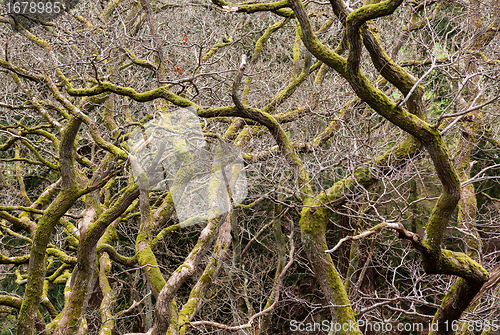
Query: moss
pixel 189 309
pixel 401 152
pixel 447 296
pixel 313 221
pixel 219 45
pixel 363 175
pixel 276 7
pixel 436 225
pixel 36 271
pixel 296 52
pixel 174 322
pixel 105 86
pixel 286 92
pixel 147 257
pixel 14 260
pixel 344 315
pixel 107 317
pixel 462 265
pixel 242 136
pixel 314 217
pixel 111 234
pixel 44 44
pixel 372 11
pixel 11 301
pixel 232 131
pixel 62 256
pixel 63 278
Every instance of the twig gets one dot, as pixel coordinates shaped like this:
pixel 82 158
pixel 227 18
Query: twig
pixel 265 311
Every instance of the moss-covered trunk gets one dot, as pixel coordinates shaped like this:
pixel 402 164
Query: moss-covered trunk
pixel 38 256
pixel 313 223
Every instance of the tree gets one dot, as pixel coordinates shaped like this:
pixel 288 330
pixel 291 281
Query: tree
pixel 262 167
